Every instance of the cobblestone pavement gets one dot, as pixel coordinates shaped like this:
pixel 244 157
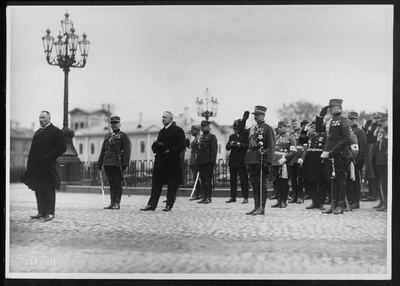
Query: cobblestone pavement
pixel 217 238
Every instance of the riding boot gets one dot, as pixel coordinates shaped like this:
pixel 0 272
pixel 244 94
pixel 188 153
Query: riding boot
pixel 118 196
pixel 112 202
pixel 256 194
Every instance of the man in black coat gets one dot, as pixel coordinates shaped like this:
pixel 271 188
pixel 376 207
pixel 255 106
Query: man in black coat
pixel 167 165
pixel 238 145
pixel 42 177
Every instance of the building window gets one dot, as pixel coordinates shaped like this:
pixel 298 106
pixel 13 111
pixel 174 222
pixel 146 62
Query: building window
pixel 81 148
pixel 76 125
pixel 142 147
pixel 82 124
pixel 92 148
pixel 219 148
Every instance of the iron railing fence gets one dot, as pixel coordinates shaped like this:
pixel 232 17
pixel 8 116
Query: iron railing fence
pixel 139 173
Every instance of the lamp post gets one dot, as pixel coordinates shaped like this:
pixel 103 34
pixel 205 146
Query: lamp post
pixel 66 47
pixel 202 106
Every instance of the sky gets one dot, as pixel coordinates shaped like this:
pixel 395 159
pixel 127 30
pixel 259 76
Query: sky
pixel 154 58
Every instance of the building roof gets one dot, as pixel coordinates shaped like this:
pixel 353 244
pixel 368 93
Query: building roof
pixel 21 133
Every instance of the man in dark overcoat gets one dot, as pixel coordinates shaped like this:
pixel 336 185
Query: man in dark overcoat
pixel 167 164
pixel 42 177
pixel 238 144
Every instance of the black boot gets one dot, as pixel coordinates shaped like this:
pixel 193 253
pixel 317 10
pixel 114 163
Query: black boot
pixel 118 196
pixel 112 202
pixel 379 205
pixel 339 208
pixel 278 203
pixel 202 200
pixel 256 205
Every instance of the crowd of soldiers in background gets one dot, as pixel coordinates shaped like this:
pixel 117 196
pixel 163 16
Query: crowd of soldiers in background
pixel 327 162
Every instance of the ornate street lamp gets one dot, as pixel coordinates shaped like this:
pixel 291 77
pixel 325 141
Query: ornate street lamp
pixel 65 52
pixel 202 107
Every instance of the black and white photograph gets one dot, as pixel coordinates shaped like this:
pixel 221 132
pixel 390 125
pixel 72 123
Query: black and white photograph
pixel 196 142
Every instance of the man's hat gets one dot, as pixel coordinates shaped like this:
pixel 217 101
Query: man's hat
pixel 205 123
pixel 304 122
pixel 259 109
pixel 335 102
pixel 377 115
pixel 282 124
pixel 352 115
pixel 236 123
pixel 196 127
pixel 115 118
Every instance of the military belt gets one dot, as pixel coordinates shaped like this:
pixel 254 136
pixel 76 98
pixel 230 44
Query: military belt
pixel 281 153
pixel 315 150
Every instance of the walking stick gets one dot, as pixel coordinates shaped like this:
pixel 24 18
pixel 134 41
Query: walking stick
pixel 102 186
pixel 195 184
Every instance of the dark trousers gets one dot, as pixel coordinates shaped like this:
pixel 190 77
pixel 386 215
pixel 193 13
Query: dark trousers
pixel 46 201
pixel 156 193
pixel 195 171
pixel 115 180
pixel 374 183
pixel 297 180
pixel 206 175
pixel 244 181
pixel 383 174
pixel 354 187
pixel 255 180
pixel 281 184
pixel 317 192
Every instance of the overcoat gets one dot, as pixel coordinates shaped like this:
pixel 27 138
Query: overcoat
pixel 167 166
pixel 46 147
pixel 238 150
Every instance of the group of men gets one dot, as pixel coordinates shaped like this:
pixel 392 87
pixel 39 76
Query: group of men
pixel 325 159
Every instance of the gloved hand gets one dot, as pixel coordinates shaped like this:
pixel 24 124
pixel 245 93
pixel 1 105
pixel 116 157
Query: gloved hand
pixel 246 115
pixel 300 161
pixel 282 160
pixel 368 123
pixel 324 111
pixel 325 155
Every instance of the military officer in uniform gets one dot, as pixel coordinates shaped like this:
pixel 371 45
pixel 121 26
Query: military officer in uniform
pixel 354 187
pixel 238 145
pixel 206 160
pixel 314 171
pixel 285 151
pixel 259 156
pixel 337 153
pixel 194 148
pixel 114 157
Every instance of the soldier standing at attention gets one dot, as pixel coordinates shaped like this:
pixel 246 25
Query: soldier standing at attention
pixel 337 153
pixel 285 151
pixel 206 159
pixel 114 156
pixel 259 156
pixel 194 148
pixel 238 145
pixel 354 187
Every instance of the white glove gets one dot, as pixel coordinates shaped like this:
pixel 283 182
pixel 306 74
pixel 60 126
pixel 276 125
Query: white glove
pixel 282 160
pixel 325 155
pixel 300 161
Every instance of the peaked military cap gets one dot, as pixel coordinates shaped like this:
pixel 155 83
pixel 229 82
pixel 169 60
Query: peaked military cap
pixel 352 115
pixel 205 123
pixel 384 117
pixel 115 118
pixel 304 122
pixel 259 109
pixel 335 102
pixel 282 124
pixel 196 127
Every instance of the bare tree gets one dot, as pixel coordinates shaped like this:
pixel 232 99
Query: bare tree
pixel 299 110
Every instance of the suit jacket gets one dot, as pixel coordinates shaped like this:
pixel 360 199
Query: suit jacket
pixel 238 151
pixel 47 146
pixel 167 166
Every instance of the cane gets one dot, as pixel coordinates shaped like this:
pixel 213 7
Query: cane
pixel 195 184
pixel 102 186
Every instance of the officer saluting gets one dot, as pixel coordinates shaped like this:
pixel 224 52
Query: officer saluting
pixel 114 156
